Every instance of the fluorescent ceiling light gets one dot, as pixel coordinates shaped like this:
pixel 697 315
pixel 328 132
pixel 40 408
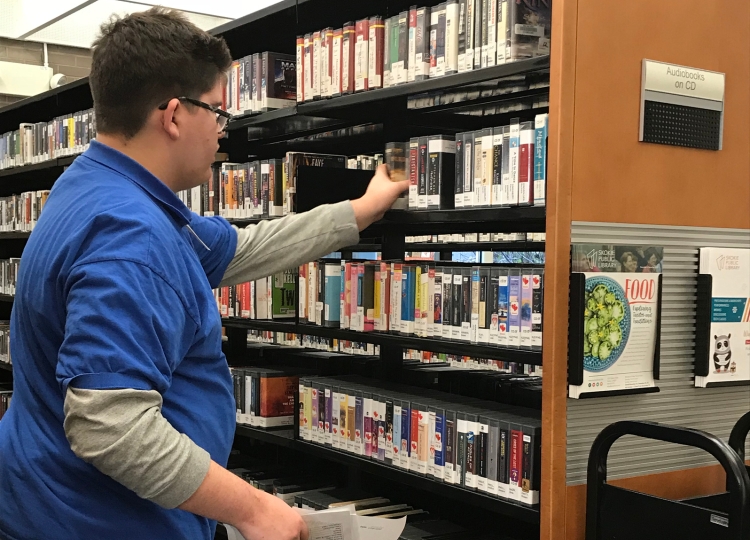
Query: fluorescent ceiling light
pixel 76 22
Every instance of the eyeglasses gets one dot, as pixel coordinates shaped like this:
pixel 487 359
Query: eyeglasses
pixel 222 116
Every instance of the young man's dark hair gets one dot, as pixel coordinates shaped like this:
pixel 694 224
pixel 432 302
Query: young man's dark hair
pixel 146 59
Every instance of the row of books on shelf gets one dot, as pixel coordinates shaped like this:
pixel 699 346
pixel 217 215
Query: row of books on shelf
pixel 21 212
pixel 5 342
pixel 418 44
pixel 501 166
pixel 319 490
pixel 475 304
pixel 478 445
pixel 261 82
pixel 475 238
pixel 5 399
pixel 42 141
pixel 333 345
pixel 8 279
pixel 259 189
pixel 305 341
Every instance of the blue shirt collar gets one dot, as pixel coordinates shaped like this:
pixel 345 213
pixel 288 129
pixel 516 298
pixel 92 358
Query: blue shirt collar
pixel 135 172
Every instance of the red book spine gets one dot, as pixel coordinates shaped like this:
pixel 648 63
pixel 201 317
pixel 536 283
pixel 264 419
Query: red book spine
pixel 347 59
pixel 308 71
pixel 225 301
pixel 414 435
pixel 336 61
pixel 361 52
pixel 329 62
pixel 526 165
pixel 375 47
pixel 300 68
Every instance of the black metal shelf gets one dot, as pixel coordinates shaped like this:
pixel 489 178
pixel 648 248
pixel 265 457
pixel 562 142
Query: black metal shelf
pixel 6 367
pixel 460 348
pixel 14 235
pixel 285 438
pixel 375 97
pixel 7 298
pixel 475 246
pixel 44 166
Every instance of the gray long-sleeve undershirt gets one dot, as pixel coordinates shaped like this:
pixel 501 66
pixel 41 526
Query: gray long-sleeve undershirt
pixel 123 433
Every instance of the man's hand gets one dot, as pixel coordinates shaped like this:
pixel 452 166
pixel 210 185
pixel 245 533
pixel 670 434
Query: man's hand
pixel 381 193
pixel 273 519
pixel 256 514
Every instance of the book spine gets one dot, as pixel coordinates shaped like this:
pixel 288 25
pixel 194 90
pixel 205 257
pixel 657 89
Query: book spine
pixel 492 32
pixel 478 28
pixel 414 173
pixel 336 57
pixel 347 59
pixel 540 159
pixel 387 53
pixel 483 334
pixel 514 316
pixel 488 150
pixel 479 193
pixel 375 49
pixel 422 167
pixel 497 169
pixel 475 282
pixel 403 47
pixel 422 55
pixel 434 15
pixel 411 72
pixel 526 165
pixel 451 37
pixel 515 465
pixel 470 33
pixel 458 191
pixel 526 298
pixel 300 69
pixel 316 65
pixel 332 308
pixel 445 331
pixel 325 64
pixel 502 22
pixel 511 187
pixel 440 65
pixel 537 300
pixel 361 55
pixel 485 31
pixel 468 174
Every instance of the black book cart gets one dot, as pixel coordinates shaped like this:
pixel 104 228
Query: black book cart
pixel 614 513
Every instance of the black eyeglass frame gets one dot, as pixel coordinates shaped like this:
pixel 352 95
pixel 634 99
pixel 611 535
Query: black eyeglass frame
pixel 220 113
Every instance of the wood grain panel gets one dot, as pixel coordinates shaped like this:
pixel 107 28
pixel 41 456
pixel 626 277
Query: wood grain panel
pixel 555 346
pixel 618 179
pixel 672 485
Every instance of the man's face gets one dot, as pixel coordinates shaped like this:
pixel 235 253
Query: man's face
pixel 200 138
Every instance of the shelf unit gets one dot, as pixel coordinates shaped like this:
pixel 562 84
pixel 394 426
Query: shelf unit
pixel 397 113
pixel 284 437
pixel 6 367
pixel 507 354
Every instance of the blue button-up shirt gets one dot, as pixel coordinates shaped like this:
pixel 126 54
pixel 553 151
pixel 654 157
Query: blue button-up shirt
pixel 114 291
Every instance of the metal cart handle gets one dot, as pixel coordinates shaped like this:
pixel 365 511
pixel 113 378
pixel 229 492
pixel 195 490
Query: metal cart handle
pixel 738 437
pixel 738 482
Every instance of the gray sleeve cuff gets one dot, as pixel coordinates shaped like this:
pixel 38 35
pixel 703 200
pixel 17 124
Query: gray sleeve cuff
pixel 276 245
pixel 124 435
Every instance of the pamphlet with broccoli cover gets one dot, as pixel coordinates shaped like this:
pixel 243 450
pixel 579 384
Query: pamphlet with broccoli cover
pixel 729 339
pixel 620 316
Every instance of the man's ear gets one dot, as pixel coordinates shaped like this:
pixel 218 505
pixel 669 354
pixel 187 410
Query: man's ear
pixel 169 118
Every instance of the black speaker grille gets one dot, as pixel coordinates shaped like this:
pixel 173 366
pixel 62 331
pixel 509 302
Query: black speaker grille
pixel 678 125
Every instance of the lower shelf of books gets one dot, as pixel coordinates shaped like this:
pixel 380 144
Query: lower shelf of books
pixel 522 356
pixel 285 437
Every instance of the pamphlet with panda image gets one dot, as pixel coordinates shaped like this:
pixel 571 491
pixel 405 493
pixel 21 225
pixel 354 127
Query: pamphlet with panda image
pixel 729 338
pixel 620 317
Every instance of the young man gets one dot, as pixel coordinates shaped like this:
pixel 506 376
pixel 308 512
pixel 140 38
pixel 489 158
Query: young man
pixel 123 415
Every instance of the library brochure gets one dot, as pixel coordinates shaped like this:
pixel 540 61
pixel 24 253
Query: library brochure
pixel 620 313
pixel 729 352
